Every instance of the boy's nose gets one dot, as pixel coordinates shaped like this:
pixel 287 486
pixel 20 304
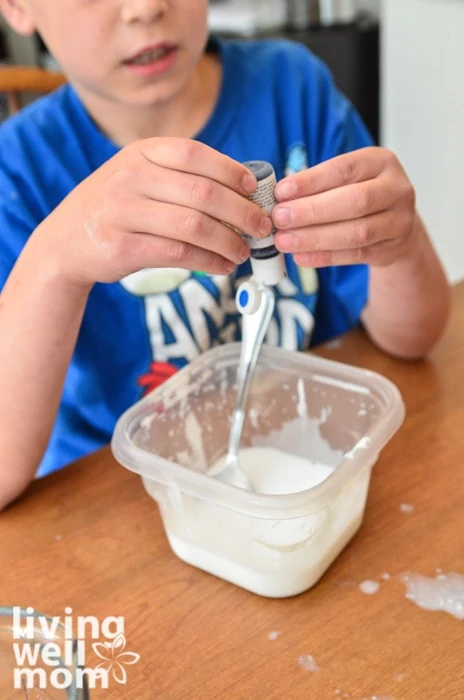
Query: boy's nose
pixel 142 10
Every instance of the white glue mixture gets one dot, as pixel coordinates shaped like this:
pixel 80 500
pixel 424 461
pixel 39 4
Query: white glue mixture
pixel 445 592
pixel 369 587
pixel 274 472
pixel 309 663
pixel 276 557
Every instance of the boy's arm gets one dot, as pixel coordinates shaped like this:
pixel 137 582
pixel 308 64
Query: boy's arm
pixel 157 203
pixel 409 301
pixel 40 316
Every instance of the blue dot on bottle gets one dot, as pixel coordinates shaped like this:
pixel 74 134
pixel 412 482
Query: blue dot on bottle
pixel 243 298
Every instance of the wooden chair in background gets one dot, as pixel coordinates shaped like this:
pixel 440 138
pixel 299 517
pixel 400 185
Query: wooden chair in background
pixel 15 80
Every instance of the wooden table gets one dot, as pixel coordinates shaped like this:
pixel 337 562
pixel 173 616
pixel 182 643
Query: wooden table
pixel 89 537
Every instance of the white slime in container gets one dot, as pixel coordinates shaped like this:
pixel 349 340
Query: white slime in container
pixel 271 557
pixel 274 472
pixel 274 545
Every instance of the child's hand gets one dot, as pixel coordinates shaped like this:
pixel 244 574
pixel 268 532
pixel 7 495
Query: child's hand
pixel 161 202
pixel 356 208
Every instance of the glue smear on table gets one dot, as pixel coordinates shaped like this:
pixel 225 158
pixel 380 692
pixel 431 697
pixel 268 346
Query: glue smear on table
pixel 445 592
pixel 272 557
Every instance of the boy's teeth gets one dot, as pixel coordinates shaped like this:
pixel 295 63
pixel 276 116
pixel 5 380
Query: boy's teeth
pixel 150 56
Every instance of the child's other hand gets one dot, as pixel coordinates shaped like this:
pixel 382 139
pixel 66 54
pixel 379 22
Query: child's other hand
pixel 161 202
pixel 356 208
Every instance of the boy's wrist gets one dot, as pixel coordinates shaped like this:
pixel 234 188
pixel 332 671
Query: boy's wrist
pixel 51 262
pixel 418 247
pixel 419 239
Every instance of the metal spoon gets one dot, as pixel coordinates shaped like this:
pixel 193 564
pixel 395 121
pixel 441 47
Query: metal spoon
pixel 254 329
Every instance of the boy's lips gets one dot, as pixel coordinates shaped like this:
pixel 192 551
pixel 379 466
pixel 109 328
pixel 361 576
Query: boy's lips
pixel 152 60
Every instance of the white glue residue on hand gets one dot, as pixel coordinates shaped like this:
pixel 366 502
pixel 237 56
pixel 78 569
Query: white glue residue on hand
pixel 445 592
pixel 273 635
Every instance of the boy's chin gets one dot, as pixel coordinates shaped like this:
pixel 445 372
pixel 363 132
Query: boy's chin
pixel 153 96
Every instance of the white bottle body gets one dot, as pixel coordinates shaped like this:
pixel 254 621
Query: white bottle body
pixel 267 262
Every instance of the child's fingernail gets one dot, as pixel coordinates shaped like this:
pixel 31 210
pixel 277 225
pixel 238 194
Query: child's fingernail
pixel 249 183
pixel 265 227
pixel 283 216
pixel 244 254
pixel 287 242
pixel 229 267
pixel 285 190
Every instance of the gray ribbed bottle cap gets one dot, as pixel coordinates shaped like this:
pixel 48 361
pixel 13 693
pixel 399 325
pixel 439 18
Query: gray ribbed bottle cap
pixel 261 169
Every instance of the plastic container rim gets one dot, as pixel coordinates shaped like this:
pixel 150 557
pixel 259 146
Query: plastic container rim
pixel 362 455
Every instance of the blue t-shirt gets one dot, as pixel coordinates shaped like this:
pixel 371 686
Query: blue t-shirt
pixel 277 103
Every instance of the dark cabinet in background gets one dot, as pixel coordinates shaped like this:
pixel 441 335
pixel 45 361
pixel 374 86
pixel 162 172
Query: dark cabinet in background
pixel 351 51
pixel 352 54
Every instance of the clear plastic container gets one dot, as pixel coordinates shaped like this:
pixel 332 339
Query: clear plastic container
pixel 326 412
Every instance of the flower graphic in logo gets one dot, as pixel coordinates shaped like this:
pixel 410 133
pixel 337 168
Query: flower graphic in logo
pixel 115 658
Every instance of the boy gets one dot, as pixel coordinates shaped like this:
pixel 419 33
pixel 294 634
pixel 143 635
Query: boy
pixel 118 194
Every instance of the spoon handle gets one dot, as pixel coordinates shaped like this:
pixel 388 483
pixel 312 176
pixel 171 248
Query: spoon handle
pixel 253 332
